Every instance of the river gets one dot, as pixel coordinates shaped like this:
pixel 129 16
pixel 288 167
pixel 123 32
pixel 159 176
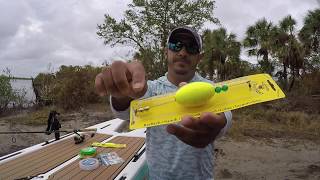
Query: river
pixel 24 85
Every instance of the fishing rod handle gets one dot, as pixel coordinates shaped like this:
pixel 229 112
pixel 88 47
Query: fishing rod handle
pixel 88 130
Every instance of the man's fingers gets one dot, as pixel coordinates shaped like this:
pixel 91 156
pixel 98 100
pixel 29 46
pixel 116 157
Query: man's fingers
pixel 138 76
pixel 188 136
pixel 109 84
pixel 198 132
pixel 212 121
pixel 182 84
pixel 189 122
pixel 183 133
pixel 119 75
pixel 122 80
pixel 100 85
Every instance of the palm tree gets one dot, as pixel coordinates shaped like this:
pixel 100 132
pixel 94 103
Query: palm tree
pixel 260 39
pixel 287 49
pixel 220 48
pixel 309 35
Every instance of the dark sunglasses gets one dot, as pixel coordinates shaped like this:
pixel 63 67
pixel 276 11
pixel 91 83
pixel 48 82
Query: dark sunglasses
pixel 177 46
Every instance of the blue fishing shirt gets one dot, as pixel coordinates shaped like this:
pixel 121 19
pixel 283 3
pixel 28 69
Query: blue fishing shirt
pixel 168 158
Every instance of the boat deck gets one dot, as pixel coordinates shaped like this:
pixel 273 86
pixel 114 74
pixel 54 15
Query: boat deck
pixel 72 171
pixel 60 159
pixel 45 159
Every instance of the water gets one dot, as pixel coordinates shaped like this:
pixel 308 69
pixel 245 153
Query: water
pixel 24 85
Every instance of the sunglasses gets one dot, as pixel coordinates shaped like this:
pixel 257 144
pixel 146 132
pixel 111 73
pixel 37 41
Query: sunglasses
pixel 177 46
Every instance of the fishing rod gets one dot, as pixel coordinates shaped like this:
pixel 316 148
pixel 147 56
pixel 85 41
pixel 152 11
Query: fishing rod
pixel 61 131
pixel 79 138
pixel 53 126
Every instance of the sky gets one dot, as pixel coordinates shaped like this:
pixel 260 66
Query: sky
pixel 38 36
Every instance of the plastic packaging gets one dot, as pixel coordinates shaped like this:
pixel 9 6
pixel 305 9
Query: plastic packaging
pixel 196 98
pixel 110 158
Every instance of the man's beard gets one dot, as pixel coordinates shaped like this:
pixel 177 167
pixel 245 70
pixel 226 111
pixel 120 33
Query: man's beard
pixel 181 69
pixel 181 72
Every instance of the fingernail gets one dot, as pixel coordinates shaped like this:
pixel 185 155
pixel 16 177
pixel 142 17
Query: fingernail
pixel 186 121
pixel 182 84
pixel 137 85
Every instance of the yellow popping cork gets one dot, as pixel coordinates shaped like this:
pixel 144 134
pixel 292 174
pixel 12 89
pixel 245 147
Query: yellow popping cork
pixel 198 97
pixel 194 94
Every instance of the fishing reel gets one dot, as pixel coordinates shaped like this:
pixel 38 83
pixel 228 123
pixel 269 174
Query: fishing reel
pixel 79 138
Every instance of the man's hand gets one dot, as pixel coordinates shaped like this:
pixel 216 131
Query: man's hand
pixel 122 80
pixel 198 132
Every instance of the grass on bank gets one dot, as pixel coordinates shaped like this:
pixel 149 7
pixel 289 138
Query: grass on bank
pixel 261 122
pixel 30 116
pixel 39 116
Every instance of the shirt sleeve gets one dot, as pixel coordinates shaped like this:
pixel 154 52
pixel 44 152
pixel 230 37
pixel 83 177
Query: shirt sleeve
pixel 224 130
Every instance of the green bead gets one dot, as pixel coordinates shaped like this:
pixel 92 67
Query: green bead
pixel 217 89
pixel 225 88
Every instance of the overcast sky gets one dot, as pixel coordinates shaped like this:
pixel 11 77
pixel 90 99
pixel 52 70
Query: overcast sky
pixel 41 35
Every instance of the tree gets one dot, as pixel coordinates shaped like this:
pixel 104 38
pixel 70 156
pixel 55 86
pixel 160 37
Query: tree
pixel 309 35
pixel 20 98
pixel 288 50
pixel 260 39
pixel 147 23
pixel 285 33
pixel 43 86
pixel 221 50
pixel 74 86
pixel 6 93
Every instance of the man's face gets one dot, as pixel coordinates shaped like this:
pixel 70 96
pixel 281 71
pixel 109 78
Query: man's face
pixel 183 61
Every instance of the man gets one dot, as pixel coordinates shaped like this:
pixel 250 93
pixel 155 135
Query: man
pixel 176 151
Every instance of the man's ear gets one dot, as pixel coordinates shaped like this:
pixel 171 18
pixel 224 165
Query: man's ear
pixel 165 52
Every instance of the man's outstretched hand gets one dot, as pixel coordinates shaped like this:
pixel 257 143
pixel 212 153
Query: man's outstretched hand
pixel 198 132
pixel 122 80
